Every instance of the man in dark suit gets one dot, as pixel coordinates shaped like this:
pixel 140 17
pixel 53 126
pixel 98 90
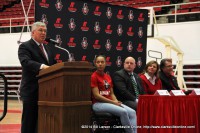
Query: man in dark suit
pixel 33 56
pixel 127 84
pixel 169 82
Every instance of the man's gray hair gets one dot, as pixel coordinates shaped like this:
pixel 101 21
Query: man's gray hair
pixel 36 25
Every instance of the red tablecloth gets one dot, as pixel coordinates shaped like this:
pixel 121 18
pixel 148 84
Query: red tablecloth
pixel 168 114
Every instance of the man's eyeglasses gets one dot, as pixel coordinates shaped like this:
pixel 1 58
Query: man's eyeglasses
pixel 170 66
pixel 41 30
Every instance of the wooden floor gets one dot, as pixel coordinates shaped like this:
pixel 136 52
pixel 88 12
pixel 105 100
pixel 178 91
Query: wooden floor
pixel 12 121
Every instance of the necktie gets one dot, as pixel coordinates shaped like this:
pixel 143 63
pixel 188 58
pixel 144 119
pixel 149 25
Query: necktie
pixel 134 86
pixel 42 49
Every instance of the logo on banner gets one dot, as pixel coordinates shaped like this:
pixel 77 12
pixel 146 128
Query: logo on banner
pixel 58 24
pixel 139 62
pixel 97 27
pixel 85 27
pixel 130 15
pixel 139 48
pixel 72 24
pixel 130 46
pixel 58 39
pixel 119 47
pixel 71 42
pixel 84 58
pixel 108 29
pixel 119 61
pixel 140 32
pixel 120 15
pixel 141 18
pixel 119 30
pixel 96 11
pixel 108 45
pixel 130 31
pixel 108 62
pixel 59 5
pixel 57 58
pixel 85 9
pixel 96 45
pixel 44 19
pixel 109 13
pixel 72 8
pixel 84 43
pixel 44 4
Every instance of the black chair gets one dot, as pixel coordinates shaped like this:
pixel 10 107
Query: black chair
pixel 105 123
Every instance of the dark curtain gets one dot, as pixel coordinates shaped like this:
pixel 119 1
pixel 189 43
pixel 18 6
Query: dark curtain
pixel 88 28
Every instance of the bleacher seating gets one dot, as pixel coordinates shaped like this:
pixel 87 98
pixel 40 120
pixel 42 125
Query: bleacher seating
pixel 161 7
pixel 7 3
pixel 12 11
pixel 13 75
pixel 13 15
pixel 191 74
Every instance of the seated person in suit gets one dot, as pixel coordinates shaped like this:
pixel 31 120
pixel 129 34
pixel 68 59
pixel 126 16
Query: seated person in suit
pixel 150 80
pixel 104 100
pixel 127 84
pixel 169 81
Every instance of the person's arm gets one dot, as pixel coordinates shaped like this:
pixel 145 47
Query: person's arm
pixel 95 92
pixel 113 95
pixel 25 57
pixel 120 86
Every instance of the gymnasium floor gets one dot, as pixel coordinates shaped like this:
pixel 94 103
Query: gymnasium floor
pixel 12 120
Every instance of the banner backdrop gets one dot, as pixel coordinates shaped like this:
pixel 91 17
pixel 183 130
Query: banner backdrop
pixel 87 28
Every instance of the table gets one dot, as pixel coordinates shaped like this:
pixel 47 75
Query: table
pixel 168 114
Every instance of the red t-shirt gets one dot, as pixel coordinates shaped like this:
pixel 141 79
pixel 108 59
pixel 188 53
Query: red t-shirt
pixel 103 83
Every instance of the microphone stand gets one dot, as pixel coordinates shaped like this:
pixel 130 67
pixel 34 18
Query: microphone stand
pixel 70 58
pixel 19 42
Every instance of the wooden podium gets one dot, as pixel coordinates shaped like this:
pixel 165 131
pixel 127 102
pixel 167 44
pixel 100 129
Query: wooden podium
pixel 65 98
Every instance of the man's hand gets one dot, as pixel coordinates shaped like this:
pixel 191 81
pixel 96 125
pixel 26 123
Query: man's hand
pixel 45 67
pixel 118 103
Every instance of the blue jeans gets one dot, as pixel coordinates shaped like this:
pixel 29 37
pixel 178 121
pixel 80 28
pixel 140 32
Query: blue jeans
pixel 127 115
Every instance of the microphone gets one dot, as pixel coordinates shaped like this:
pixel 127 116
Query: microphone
pixel 56 45
pixel 51 41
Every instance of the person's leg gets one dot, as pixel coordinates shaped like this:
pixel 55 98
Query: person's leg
pixel 132 117
pixel 115 110
pixel 29 117
pixel 131 104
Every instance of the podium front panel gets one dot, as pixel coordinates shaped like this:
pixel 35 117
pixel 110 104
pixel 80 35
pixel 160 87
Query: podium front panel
pixel 65 98
pixel 64 119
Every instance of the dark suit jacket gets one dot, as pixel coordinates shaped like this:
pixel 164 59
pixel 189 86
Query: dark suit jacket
pixel 123 87
pixel 166 83
pixel 31 58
